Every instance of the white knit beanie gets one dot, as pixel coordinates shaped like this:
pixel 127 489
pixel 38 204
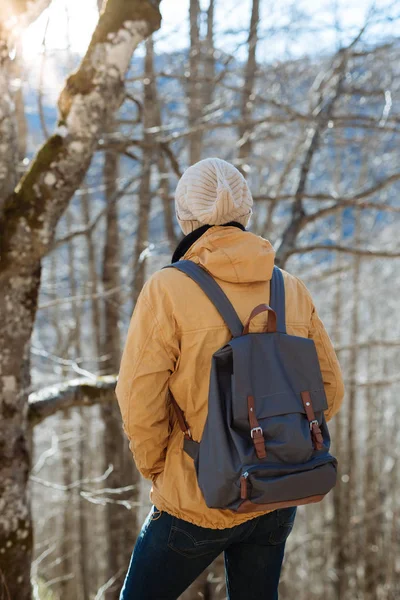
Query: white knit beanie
pixel 212 192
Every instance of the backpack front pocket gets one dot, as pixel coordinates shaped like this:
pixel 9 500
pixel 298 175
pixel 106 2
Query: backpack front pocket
pixel 271 484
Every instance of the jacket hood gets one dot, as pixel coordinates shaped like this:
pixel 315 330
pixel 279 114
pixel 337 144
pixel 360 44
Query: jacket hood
pixel 230 254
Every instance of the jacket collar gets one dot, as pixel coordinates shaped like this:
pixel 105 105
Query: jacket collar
pixel 192 237
pixel 232 255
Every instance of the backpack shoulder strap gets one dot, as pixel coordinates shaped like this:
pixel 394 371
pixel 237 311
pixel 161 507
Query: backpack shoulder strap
pixel 277 299
pixel 214 292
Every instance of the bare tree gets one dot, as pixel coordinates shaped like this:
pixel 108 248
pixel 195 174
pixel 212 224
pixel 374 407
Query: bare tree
pixel 27 228
pixel 321 136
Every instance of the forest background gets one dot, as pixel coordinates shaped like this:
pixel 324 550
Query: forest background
pixel 98 119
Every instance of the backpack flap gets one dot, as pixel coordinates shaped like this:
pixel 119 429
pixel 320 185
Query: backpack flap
pixel 274 369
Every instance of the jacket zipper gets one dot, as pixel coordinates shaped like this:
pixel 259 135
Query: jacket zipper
pixel 243 485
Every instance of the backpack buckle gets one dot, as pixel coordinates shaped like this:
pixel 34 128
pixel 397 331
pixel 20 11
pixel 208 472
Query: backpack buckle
pixel 315 422
pixel 256 430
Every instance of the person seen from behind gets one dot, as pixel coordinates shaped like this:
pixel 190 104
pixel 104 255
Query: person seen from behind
pixel 173 334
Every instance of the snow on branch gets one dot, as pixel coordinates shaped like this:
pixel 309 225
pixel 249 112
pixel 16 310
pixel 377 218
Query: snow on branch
pixel 78 392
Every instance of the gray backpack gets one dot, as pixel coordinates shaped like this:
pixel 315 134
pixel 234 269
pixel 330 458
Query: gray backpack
pixel 265 444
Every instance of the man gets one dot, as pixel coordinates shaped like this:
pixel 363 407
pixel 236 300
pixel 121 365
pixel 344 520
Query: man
pixel 174 332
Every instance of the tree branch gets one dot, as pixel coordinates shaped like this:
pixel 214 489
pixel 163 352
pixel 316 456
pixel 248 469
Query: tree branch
pixel 323 113
pixel 377 187
pixel 88 100
pixel 79 392
pixel 96 220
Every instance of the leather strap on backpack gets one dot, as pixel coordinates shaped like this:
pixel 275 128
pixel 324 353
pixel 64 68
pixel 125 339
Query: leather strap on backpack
pixel 256 432
pixel 271 322
pixel 314 426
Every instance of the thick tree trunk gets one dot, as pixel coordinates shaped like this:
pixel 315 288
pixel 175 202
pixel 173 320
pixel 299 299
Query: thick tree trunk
pixel 18 302
pixel 27 226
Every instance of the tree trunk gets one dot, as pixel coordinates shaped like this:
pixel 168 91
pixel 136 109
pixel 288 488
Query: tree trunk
pixel 372 528
pixel 163 185
pixel 92 280
pixel 18 302
pixel 339 522
pixel 121 526
pixel 209 60
pixel 75 306
pixel 194 85
pixel 111 341
pixel 27 225
pixel 163 190
pixel 83 450
pixel 248 89
pixel 68 580
pixel 350 474
pixel 142 231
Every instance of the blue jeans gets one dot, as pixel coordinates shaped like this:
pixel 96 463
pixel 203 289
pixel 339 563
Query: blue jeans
pixel 171 553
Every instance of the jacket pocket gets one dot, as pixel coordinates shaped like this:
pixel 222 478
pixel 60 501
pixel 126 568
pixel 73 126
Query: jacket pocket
pixel 193 541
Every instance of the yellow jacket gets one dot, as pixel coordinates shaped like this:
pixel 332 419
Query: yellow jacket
pixel 173 333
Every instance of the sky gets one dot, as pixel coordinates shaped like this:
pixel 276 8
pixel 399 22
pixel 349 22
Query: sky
pixel 71 23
